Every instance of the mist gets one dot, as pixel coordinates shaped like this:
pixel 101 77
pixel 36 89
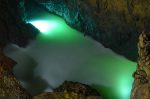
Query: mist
pixel 65 54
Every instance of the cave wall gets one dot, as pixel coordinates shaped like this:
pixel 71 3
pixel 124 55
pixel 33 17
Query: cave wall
pixel 141 86
pixel 13 28
pixel 114 23
pixel 10 87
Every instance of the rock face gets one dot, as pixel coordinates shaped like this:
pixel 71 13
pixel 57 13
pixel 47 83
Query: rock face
pixel 64 95
pixel 77 88
pixel 12 27
pixel 141 86
pixel 71 90
pixel 114 23
pixel 9 86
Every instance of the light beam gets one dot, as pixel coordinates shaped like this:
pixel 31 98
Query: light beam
pixel 44 26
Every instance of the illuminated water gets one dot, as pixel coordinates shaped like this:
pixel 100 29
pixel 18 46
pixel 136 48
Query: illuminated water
pixel 61 53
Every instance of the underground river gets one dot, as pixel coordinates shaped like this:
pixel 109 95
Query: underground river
pixel 61 53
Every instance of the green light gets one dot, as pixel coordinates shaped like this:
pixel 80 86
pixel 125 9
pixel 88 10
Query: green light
pixel 125 88
pixel 44 26
pixel 116 71
pixel 55 29
pixel 126 92
pixel 125 80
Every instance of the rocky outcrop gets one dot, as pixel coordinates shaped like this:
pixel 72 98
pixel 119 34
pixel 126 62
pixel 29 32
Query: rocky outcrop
pixel 114 23
pixel 12 27
pixel 77 88
pixel 141 86
pixel 71 90
pixel 64 95
pixel 9 86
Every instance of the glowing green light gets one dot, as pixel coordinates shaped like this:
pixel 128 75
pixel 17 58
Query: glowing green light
pixel 55 30
pixel 44 26
pixel 118 76
pixel 125 90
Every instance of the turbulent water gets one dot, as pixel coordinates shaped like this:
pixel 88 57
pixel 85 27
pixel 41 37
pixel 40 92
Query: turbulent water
pixel 61 53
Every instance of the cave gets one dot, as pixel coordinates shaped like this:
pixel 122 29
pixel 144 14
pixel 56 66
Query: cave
pixel 75 49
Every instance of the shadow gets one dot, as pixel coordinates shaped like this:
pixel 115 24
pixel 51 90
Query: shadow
pixel 25 72
pixel 36 85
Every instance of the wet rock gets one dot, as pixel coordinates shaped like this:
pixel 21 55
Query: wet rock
pixel 13 28
pixel 141 86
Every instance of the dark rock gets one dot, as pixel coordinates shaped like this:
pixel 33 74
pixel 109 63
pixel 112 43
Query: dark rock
pixel 71 90
pixel 9 86
pixel 78 88
pixel 13 28
pixel 64 95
